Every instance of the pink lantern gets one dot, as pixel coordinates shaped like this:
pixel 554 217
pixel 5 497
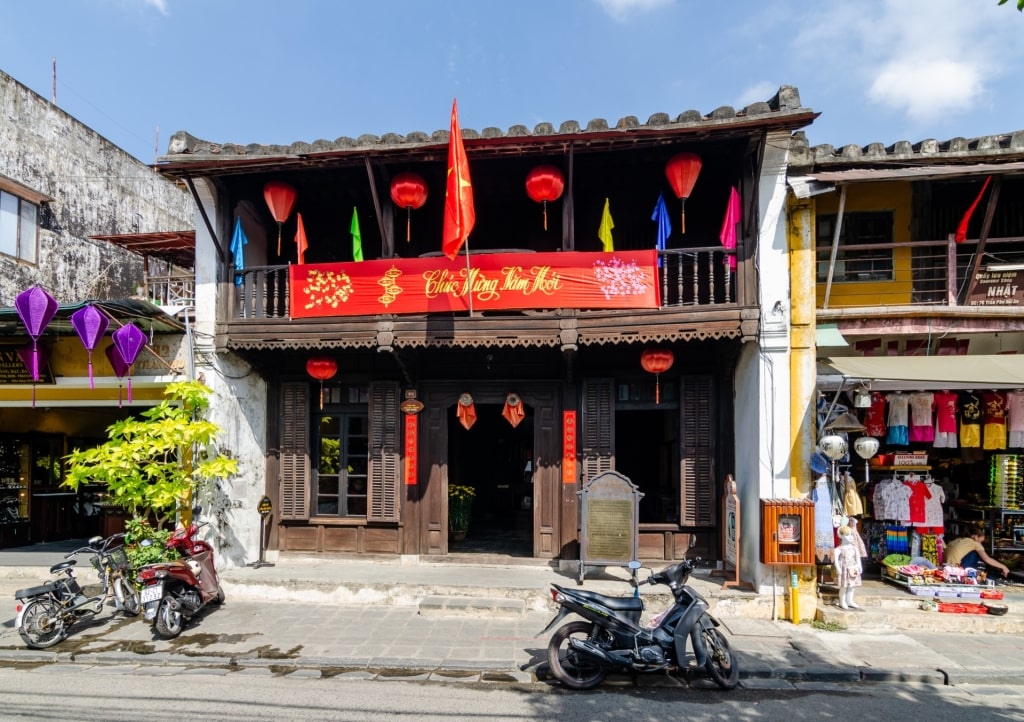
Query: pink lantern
pixel 36 308
pixel 90 324
pixel 117 363
pixel 129 340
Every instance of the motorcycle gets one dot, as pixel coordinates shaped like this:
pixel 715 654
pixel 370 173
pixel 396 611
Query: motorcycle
pixel 46 613
pixel 176 591
pixel 582 653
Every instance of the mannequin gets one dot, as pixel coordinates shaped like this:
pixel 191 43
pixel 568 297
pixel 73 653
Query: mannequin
pixel 848 568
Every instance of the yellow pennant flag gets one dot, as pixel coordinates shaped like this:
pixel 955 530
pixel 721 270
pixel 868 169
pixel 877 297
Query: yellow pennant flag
pixel 604 232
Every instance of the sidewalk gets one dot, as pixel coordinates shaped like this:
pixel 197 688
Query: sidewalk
pixel 441 620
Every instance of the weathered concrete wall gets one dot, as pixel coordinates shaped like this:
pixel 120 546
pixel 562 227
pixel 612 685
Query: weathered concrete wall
pixel 98 189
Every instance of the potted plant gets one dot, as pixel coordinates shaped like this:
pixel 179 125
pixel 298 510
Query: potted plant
pixel 460 506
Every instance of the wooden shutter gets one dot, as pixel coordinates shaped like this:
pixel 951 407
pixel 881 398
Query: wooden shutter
pixel 598 428
pixel 697 473
pixel 384 452
pixel 294 484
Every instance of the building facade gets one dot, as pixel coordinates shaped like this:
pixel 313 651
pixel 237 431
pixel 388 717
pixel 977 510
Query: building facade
pixel 61 186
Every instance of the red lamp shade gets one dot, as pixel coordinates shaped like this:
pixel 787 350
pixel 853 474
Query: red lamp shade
pixel 321 368
pixel 280 198
pixel 657 361
pixel 682 170
pixel 545 183
pixel 408 191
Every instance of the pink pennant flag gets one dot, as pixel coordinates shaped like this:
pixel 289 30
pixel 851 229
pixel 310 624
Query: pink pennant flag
pixel 732 217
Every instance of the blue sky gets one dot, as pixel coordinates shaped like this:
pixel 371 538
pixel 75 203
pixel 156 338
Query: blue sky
pixel 262 71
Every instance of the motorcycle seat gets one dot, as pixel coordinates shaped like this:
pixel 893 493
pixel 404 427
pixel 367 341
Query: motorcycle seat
pixel 618 604
pixel 36 591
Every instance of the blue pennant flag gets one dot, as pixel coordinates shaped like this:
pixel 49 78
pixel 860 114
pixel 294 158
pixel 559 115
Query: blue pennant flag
pixel 660 216
pixel 238 242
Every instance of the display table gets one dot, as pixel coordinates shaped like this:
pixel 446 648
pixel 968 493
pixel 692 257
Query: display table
pixel 983 590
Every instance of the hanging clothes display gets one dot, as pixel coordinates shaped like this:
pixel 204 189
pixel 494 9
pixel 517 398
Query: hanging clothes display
pixel 922 425
pixel 993 405
pixel 945 420
pixel 899 419
pixel 1015 419
pixel 824 531
pixel 852 505
pixel 874 416
pixel 970 420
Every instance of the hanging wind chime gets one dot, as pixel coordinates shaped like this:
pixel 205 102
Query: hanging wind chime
pixel 408 191
pixel 545 183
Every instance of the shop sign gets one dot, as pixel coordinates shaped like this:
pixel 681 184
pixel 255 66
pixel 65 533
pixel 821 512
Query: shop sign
pixel 494 281
pixel 568 447
pixel 13 370
pixel 997 288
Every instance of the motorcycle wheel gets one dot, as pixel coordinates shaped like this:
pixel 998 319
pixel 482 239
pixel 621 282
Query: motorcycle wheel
pixel 571 668
pixel 721 665
pixel 128 597
pixel 219 599
pixel 42 625
pixel 169 621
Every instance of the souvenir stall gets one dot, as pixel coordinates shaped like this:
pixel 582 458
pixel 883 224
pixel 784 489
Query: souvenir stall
pixel 933 463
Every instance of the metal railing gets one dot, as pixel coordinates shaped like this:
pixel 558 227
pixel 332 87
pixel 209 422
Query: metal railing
pixel 934 273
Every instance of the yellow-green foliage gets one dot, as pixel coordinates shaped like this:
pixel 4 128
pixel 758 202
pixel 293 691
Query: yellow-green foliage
pixel 150 464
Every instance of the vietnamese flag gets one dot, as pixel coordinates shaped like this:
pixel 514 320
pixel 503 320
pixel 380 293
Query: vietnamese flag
pixel 459 214
pixel 300 240
pixel 961 230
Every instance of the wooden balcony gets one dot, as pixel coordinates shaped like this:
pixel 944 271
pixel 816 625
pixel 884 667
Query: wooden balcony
pixel 698 301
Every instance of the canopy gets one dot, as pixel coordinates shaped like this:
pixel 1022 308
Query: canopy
pixel 912 372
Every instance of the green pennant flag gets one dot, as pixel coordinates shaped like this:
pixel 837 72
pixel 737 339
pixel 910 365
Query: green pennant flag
pixel 357 237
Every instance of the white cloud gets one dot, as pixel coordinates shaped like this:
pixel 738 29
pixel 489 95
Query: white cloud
pixel 924 88
pixel 160 5
pixel 759 92
pixel 621 10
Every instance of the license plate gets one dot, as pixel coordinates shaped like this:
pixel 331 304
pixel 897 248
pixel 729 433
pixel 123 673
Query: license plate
pixel 152 594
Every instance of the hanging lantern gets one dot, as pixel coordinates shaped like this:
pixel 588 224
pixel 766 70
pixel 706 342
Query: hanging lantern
pixel 682 170
pixel 545 183
pixel 833 446
pixel 280 198
pixel 36 308
pixel 90 324
pixel 321 368
pixel 657 361
pixel 129 340
pixel 408 191
pixel 118 365
pixel 866 447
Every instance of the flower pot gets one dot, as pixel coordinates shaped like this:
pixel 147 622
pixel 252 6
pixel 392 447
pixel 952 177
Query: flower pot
pixel 457 536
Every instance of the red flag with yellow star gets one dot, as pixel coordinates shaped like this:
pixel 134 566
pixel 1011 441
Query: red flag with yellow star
pixel 459 214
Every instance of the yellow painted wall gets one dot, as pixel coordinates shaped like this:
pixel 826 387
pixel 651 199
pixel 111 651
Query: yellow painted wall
pixel 895 197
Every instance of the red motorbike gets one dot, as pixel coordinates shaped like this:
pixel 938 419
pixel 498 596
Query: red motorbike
pixel 176 591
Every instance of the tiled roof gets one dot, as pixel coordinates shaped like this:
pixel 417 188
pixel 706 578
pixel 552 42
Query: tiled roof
pixel 1003 147
pixel 783 110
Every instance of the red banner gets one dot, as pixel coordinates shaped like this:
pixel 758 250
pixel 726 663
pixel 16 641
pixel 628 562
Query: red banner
pixel 568 447
pixel 411 455
pixel 497 281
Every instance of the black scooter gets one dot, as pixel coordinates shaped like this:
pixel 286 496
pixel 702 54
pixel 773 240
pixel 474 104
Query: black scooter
pixel 582 653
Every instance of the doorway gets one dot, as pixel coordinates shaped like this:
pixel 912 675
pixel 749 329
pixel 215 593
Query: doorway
pixel 497 461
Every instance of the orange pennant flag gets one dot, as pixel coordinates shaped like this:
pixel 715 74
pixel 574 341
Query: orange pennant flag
pixel 300 240
pixel 459 214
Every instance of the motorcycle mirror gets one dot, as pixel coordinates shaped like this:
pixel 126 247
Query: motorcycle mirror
pixel 634 565
pixel 93 541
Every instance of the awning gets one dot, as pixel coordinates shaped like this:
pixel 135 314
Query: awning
pixel 910 372
pixel 828 335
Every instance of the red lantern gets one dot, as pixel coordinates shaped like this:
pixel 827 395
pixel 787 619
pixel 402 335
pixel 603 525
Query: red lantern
pixel 280 198
pixel 545 183
pixel 657 361
pixel 682 170
pixel 321 368
pixel 408 191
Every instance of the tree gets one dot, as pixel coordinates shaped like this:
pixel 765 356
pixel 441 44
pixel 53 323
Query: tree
pixel 1020 4
pixel 153 464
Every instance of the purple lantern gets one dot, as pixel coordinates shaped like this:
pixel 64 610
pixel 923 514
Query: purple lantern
pixel 120 367
pixel 90 324
pixel 36 308
pixel 41 356
pixel 129 340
